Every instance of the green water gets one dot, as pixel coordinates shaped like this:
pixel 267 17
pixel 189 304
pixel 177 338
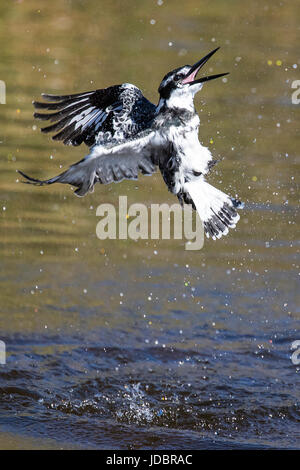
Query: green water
pixel 61 285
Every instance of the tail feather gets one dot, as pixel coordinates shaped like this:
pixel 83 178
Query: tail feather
pixel 216 209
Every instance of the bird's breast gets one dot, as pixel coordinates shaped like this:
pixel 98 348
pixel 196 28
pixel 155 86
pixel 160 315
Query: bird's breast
pixel 193 156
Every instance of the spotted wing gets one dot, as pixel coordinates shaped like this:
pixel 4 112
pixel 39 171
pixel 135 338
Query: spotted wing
pixel 100 116
pixel 111 163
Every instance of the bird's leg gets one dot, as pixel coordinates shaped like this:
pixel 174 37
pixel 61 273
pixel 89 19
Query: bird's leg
pixel 180 198
pixel 184 198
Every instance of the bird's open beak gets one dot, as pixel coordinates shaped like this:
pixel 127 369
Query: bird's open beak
pixel 190 77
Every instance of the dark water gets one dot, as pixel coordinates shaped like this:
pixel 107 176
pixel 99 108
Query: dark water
pixel 135 345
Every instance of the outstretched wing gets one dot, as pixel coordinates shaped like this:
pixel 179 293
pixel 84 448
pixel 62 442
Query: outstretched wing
pixel 111 163
pixel 96 117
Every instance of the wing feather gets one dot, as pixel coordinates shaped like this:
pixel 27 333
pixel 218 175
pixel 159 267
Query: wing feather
pixel 95 116
pixel 113 163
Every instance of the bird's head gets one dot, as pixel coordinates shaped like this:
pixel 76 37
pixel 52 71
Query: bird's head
pixel 179 87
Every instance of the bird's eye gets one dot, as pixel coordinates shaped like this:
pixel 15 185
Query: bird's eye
pixel 177 77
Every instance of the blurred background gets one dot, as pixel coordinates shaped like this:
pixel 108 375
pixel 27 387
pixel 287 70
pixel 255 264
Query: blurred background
pixel 134 345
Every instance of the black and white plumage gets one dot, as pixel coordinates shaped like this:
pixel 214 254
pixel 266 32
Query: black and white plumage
pixel 127 134
pixel 96 117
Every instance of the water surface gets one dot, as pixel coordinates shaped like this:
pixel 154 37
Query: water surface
pixel 135 345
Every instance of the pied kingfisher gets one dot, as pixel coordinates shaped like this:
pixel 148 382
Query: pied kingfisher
pixel 127 134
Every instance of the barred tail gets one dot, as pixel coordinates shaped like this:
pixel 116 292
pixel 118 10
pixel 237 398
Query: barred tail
pixel 216 209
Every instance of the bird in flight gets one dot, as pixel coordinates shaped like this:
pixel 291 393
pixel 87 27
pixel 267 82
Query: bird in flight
pixel 127 134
